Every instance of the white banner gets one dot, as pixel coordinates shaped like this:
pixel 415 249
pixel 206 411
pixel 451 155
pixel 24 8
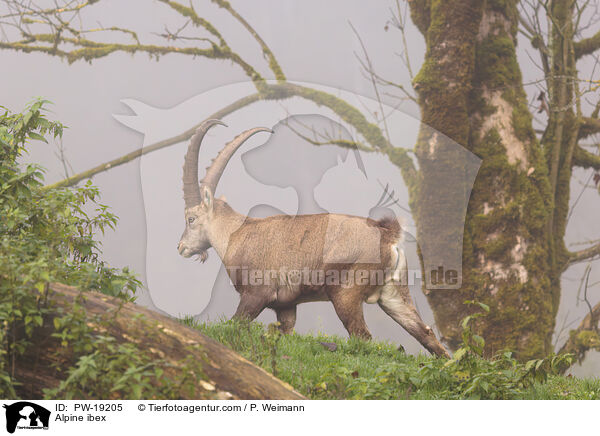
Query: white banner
pixel 286 418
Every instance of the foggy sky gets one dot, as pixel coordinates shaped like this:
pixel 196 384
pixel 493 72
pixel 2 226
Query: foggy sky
pixel 313 43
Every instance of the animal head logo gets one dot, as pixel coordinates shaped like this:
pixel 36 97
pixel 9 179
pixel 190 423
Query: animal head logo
pixel 26 415
pixel 310 164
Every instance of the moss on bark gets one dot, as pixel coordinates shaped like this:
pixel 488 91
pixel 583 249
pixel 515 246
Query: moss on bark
pixel 470 89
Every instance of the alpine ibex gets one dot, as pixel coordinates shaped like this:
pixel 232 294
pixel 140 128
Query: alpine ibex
pixel 281 261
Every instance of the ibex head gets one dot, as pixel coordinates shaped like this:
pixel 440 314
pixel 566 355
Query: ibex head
pixel 199 197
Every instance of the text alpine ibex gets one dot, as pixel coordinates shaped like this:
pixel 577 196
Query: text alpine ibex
pixel 281 261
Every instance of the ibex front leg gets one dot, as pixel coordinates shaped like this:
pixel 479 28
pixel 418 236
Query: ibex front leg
pixel 252 303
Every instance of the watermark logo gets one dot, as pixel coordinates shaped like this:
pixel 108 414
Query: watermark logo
pixel 338 277
pixel 312 164
pixel 25 415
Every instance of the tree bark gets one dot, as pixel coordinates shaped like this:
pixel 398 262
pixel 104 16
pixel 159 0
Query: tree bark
pixel 470 91
pixel 231 375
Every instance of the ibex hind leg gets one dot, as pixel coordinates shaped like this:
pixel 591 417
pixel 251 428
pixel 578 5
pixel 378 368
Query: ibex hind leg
pixel 395 300
pixel 348 305
pixel 287 319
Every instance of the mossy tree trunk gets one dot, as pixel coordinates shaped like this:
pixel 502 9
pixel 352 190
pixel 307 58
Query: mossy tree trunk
pixel 470 89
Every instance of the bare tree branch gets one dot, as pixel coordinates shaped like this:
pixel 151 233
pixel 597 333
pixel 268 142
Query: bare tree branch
pixel 73 180
pixel 61 155
pixel 59 38
pixel 530 28
pixel 326 138
pixel 589 126
pixel 95 50
pixel 368 66
pixel 587 46
pixel 582 255
pixel 273 64
pixel 348 113
pixel 584 159
pixel 399 20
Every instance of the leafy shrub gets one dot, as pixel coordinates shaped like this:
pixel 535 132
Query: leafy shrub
pixel 112 370
pixel 46 235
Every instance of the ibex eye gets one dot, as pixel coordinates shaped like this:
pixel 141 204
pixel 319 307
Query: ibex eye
pixel 191 219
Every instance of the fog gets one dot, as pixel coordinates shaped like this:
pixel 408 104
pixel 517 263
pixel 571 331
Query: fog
pixel 122 102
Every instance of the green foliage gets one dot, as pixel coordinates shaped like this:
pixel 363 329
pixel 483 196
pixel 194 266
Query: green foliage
pixel 122 371
pixel 564 388
pixel 108 369
pixel 469 375
pixel 99 368
pixel 46 235
pixel 360 369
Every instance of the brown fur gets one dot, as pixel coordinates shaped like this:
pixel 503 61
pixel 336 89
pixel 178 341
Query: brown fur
pixel 292 246
pixel 284 242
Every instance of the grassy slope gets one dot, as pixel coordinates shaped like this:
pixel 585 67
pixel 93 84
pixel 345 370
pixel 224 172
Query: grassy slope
pixel 359 369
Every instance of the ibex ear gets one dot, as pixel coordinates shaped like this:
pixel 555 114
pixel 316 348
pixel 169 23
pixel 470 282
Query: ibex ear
pixel 207 198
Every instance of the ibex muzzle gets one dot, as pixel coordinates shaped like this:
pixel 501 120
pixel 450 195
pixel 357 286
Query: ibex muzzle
pixel 281 261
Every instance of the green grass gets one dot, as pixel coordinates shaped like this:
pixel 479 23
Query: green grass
pixel 360 369
pixel 564 388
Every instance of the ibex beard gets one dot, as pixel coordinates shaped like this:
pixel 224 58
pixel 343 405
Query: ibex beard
pixel 323 242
